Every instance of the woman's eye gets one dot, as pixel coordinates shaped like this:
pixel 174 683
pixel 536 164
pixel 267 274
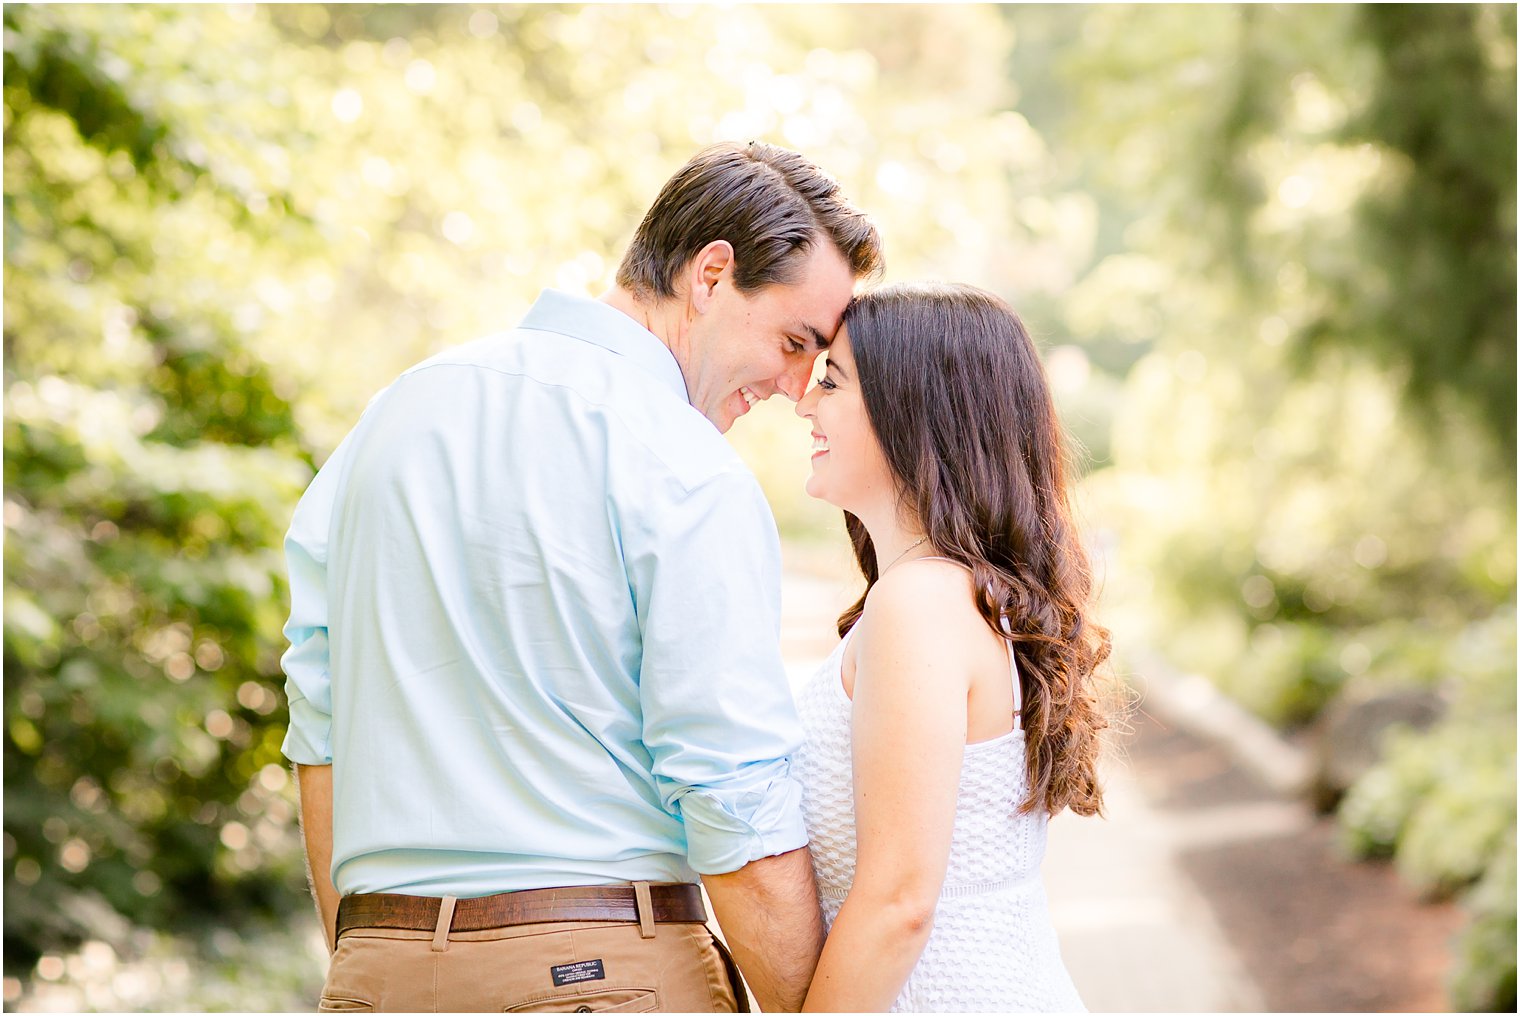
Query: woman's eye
pixel 826 384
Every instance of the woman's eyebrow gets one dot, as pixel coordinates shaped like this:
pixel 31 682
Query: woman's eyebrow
pixel 829 363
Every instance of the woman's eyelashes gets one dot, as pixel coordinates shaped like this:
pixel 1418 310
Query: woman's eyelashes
pixel 826 384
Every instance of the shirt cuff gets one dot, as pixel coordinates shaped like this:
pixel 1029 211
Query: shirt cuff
pixel 308 741
pixel 726 831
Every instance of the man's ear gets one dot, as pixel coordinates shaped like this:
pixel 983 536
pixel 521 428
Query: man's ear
pixel 712 265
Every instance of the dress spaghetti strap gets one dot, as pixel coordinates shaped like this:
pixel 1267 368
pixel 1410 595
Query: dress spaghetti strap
pixel 1013 666
pixel 1018 686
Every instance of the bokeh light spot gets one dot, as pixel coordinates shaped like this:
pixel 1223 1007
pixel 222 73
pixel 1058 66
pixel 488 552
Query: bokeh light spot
pixel 234 836
pixel 347 105
pixel 218 723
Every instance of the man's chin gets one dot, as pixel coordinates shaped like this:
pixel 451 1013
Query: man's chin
pixel 727 413
pixel 722 419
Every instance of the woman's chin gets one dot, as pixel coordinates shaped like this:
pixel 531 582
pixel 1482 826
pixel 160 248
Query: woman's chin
pixel 815 488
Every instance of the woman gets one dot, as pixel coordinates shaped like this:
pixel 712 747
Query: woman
pixel 958 713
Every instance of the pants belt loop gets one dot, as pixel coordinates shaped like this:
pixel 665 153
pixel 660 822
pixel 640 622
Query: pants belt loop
pixel 646 909
pixel 445 920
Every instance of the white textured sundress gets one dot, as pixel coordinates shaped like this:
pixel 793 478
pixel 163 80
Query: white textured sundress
pixel 992 948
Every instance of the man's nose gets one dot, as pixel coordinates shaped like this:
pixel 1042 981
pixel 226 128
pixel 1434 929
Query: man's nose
pixel 793 383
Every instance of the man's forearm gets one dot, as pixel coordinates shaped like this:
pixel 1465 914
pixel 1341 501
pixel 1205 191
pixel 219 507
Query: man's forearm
pixel 315 783
pixel 770 918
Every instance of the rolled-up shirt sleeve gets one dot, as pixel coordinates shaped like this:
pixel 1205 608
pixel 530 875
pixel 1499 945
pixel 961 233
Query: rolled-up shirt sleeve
pixel 718 716
pixel 308 684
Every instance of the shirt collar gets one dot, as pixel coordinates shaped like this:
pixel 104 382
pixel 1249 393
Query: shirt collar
pixel 595 322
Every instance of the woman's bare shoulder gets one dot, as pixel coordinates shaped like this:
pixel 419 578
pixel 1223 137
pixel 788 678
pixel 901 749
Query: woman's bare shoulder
pixel 934 582
pixel 923 603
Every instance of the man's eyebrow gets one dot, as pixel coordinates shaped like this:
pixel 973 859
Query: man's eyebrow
pixel 820 341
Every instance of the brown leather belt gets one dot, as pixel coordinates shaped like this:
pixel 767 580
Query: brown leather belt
pixel 678 903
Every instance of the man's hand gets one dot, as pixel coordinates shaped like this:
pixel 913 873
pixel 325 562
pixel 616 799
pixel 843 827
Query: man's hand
pixel 316 792
pixel 769 914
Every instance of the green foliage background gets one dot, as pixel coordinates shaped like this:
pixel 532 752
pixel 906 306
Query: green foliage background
pixel 1270 254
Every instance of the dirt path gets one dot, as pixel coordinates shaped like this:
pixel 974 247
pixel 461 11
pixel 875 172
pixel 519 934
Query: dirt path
pixel 1313 929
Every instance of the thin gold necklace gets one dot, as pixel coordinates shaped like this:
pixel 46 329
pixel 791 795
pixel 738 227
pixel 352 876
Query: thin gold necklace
pixel 899 557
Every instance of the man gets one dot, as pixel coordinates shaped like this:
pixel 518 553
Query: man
pixel 534 623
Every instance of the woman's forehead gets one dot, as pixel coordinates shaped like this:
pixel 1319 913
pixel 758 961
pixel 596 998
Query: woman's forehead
pixel 840 355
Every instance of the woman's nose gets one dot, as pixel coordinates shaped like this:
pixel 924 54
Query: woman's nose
pixel 804 407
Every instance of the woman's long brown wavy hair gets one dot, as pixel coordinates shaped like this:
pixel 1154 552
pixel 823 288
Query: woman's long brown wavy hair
pixel 958 399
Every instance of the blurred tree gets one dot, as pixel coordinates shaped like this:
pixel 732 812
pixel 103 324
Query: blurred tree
pixel 1315 456
pixel 1431 291
pixel 1355 166
pixel 1270 496
pixel 150 459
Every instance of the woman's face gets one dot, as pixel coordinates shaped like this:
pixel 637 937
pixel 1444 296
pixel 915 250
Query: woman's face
pixel 849 470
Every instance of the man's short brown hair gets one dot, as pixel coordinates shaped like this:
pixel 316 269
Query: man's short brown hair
pixel 769 203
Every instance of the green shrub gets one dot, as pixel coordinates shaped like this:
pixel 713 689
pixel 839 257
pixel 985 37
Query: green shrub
pixel 1375 812
pixel 1484 978
pixel 1442 804
pixel 1290 673
pixel 1454 833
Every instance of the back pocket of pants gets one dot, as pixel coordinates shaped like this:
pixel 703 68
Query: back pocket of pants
pixel 330 1004
pixel 604 1000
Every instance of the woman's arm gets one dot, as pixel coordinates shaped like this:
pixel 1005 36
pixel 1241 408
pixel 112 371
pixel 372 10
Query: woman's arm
pixel 908 733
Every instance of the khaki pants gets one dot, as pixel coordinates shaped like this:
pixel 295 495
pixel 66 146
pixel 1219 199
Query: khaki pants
pixel 561 967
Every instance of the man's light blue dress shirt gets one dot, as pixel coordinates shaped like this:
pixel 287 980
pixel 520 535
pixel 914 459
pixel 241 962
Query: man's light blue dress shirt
pixel 535 616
